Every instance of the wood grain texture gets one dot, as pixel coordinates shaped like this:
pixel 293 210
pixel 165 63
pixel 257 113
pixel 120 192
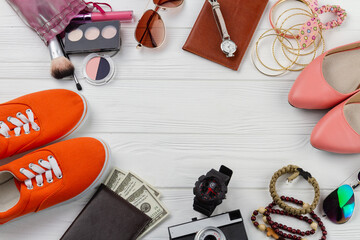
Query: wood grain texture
pixel 170 116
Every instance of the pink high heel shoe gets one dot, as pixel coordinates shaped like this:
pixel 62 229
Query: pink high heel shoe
pixel 329 79
pixel 339 130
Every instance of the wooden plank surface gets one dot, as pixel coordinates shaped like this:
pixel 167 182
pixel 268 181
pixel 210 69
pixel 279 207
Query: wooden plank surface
pixel 170 116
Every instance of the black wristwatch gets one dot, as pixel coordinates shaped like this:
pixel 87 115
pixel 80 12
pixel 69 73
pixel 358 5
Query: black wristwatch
pixel 210 190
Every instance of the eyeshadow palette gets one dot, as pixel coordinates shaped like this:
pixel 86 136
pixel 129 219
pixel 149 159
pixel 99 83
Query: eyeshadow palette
pixel 98 69
pixel 93 37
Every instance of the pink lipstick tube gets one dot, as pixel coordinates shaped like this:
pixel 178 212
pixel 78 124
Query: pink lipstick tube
pixel 122 16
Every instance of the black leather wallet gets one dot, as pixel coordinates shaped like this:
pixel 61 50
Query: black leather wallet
pixel 107 216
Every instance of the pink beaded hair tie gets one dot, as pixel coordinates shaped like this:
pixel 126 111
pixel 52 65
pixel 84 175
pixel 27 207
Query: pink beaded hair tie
pixel 310 30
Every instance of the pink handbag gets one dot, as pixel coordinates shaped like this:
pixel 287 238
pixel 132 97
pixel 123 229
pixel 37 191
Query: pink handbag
pixel 47 18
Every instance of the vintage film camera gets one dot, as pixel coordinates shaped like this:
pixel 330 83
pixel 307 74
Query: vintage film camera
pixel 227 226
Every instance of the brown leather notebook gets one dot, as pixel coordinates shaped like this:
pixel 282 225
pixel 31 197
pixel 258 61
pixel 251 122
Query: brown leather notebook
pixel 241 17
pixel 107 216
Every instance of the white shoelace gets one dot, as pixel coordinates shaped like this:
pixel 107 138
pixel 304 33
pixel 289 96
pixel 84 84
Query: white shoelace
pixel 46 167
pixel 25 123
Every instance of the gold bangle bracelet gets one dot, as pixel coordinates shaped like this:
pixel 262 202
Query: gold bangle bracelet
pixel 293 15
pixel 303 65
pixel 294 58
pixel 255 52
pixel 272 11
pixel 286 49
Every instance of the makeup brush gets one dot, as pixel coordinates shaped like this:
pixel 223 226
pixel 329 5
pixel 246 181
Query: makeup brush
pixel 60 65
pixel 78 85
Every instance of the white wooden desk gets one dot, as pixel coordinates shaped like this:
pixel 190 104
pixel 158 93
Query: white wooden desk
pixel 170 116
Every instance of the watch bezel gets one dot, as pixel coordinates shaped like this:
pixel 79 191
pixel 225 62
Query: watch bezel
pixel 221 195
pixel 223 49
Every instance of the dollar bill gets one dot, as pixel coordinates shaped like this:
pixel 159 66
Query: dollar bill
pixel 115 178
pixel 130 184
pixel 148 203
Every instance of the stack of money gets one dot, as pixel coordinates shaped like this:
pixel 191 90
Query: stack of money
pixel 140 194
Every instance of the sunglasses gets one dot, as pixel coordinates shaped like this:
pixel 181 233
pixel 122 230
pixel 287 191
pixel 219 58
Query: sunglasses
pixel 150 31
pixel 340 204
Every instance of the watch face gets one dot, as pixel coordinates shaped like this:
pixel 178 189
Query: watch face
pixel 228 47
pixel 209 189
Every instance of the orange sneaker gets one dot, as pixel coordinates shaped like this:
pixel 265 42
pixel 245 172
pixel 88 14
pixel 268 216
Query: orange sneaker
pixel 39 118
pixel 50 175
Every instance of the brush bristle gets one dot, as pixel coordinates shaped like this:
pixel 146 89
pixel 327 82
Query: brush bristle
pixel 61 67
pixel 78 86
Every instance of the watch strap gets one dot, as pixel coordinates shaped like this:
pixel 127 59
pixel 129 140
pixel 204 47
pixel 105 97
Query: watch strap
pixel 203 208
pixel 227 171
pixel 219 19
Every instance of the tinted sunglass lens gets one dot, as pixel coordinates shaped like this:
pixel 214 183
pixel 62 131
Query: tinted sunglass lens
pixel 150 31
pixel 339 205
pixel 168 3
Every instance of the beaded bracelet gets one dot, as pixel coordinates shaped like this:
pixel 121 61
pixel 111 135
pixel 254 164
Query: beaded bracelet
pixel 274 230
pixel 296 171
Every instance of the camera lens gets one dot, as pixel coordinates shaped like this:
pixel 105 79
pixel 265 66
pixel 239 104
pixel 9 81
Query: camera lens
pixel 210 233
pixel 210 237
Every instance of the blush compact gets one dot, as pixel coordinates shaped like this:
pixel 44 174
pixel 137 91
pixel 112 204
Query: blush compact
pixel 92 37
pixel 98 69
